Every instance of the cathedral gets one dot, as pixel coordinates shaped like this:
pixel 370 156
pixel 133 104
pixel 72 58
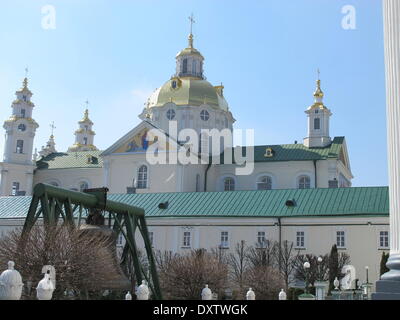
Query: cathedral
pixel 300 192
pixel 191 102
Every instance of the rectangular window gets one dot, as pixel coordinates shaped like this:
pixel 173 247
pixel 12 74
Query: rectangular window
pixel 340 239
pixel 20 146
pixel 224 239
pixel 384 239
pixel 261 240
pixel 300 239
pixel 22 113
pixel 186 239
pixel 85 141
pixel 15 188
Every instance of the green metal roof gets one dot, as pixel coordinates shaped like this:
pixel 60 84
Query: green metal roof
pixel 356 201
pixel 296 152
pixel 65 160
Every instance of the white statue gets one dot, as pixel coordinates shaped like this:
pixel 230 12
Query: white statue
pixel 52 270
pixel 250 295
pixel 336 283
pixel 143 292
pixel 206 293
pixel 282 295
pixel 128 296
pixel 10 283
pixel 348 279
pixel 45 288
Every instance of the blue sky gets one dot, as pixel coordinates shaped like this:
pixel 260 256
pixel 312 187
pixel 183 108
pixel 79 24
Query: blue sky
pixel 266 53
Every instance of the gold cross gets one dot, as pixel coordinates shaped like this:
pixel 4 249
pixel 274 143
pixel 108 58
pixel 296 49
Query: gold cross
pixel 191 19
pixel 26 72
pixel 87 104
pixel 52 126
pixel 318 73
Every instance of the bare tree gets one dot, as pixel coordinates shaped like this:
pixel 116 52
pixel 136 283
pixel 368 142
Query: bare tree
pixel 238 264
pixel 287 256
pixel 164 258
pixel 317 271
pixel 263 255
pixel 83 262
pixel 220 253
pixel 185 275
pixel 265 281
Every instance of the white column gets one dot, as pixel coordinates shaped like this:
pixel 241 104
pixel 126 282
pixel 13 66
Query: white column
pixel 389 285
pixel 391 11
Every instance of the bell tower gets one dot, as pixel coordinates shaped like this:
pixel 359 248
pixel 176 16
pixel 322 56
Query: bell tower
pixel 17 166
pixel 84 136
pixel 318 121
pixel 189 61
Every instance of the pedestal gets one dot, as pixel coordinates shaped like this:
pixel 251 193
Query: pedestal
pixel 320 289
pixel 335 294
pixel 346 295
pixel 306 296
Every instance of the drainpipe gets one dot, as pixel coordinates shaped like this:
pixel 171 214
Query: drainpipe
pixel 315 173
pixel 280 241
pixel 205 176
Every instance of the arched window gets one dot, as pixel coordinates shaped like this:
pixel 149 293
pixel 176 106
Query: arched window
pixel 264 183
pixel 142 177
pixel 229 184
pixel 304 182
pixel 184 66
pixel 171 114
pixel 317 124
pixel 197 182
pixel 20 146
pixel 83 185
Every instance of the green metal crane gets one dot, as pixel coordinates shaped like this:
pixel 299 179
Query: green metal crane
pixel 55 203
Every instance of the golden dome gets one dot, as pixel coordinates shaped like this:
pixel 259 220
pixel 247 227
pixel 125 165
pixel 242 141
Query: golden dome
pixel 188 91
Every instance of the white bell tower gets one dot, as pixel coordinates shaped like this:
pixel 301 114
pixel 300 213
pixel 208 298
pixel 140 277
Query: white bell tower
pixel 17 166
pixel 84 136
pixel 318 121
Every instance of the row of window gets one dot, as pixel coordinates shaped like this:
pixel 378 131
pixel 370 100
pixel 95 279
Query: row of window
pixel 265 183
pixel 341 239
pixel 204 115
pixel 261 239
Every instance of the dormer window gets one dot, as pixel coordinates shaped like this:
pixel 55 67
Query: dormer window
pixel 316 110
pixel 173 84
pixel 269 153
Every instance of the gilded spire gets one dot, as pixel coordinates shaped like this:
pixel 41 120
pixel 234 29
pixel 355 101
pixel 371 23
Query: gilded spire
pixel 25 83
pixel 190 38
pixel 318 93
pixel 86 115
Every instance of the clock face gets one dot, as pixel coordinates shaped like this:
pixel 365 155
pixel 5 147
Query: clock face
pixel 22 127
